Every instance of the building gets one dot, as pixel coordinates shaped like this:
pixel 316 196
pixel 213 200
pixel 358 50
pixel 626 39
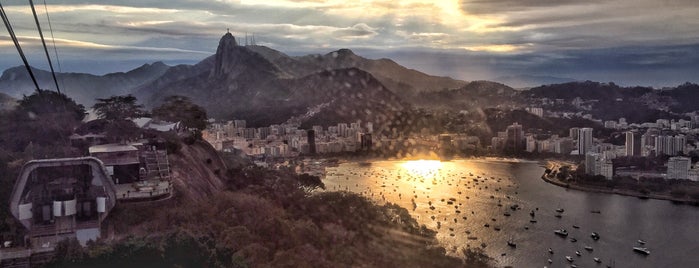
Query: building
pixel 590 163
pixel 584 140
pixel 365 141
pixel 633 143
pixel 538 111
pixel 573 133
pixel 678 168
pixel 669 145
pixel 606 169
pixel 57 199
pixel 514 139
pixel 311 140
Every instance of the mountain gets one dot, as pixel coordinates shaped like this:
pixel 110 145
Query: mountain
pixel 238 82
pixel 476 94
pixel 83 88
pixel 398 79
pixel 528 81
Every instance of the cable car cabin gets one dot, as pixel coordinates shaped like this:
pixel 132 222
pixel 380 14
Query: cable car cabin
pixel 62 198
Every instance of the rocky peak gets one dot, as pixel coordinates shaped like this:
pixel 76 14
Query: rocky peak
pixel 225 50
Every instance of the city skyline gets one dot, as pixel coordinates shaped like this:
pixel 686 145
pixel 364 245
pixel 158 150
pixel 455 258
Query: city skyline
pixel 600 40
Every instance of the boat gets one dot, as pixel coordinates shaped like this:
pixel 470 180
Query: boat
pixel 594 235
pixel 531 213
pixel 597 260
pixel 506 214
pixel 550 251
pixel 569 258
pixel 558 216
pixel 514 207
pixel 589 248
pixel 511 243
pixel 560 210
pixel 561 232
pixel 549 260
pixel 595 211
pixel 486 225
pixel 573 240
pixel 532 221
pixel 577 253
pixel 641 250
pixel 576 227
pixel 496 228
pixel 573 266
pixel 641 241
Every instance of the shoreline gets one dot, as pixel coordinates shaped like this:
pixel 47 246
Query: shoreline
pixel 623 192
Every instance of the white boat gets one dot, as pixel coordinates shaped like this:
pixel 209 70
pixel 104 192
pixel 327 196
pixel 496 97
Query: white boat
pixel 577 253
pixel 641 250
pixel 641 241
pixel 597 260
pixel 588 248
pixel 569 258
pixel 549 260
pixel 561 232
pixel 550 251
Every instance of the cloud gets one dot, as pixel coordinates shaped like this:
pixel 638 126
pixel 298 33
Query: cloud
pixel 360 30
pixel 511 36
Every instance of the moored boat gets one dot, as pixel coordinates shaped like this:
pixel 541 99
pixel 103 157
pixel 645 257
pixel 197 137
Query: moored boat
pixel 641 250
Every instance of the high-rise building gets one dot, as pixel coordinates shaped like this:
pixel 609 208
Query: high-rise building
pixel 606 168
pixel 311 141
pixel 514 137
pixel 633 143
pixel 573 133
pixel 591 163
pixel 669 145
pixel 678 167
pixel 584 140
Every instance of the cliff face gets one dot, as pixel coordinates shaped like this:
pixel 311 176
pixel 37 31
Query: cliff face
pixel 197 171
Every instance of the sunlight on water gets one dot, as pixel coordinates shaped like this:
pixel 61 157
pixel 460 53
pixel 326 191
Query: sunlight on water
pixel 422 168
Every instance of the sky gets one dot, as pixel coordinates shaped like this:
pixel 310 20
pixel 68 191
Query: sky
pixel 629 42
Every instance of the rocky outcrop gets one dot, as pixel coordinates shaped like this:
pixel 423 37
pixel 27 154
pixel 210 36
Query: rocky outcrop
pixel 197 171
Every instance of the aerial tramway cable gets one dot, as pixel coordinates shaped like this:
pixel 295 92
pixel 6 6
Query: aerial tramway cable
pixel 53 40
pixel 6 21
pixel 41 34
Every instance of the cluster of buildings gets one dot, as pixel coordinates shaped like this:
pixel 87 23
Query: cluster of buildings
pixel 288 140
pixel 664 137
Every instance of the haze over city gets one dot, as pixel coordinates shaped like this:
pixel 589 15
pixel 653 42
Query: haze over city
pixel 629 42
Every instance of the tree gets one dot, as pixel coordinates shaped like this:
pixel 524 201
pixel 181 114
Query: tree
pixel 310 182
pixel 45 118
pixel 181 109
pixel 118 108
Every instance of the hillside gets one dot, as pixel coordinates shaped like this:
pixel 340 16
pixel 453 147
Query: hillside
pixel 240 83
pixel 474 95
pixel 398 79
pixel 254 217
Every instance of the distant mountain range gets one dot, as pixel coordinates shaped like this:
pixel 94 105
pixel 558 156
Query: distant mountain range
pixel 257 83
pixel 265 86
pixel 84 88
pixel 527 81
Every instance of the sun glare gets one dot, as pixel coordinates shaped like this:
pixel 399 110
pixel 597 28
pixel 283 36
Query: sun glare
pixel 422 167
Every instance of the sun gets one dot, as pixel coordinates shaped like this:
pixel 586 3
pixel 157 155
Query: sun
pixel 422 167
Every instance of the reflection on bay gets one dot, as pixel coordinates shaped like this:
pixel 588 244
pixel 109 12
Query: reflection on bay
pixel 482 203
